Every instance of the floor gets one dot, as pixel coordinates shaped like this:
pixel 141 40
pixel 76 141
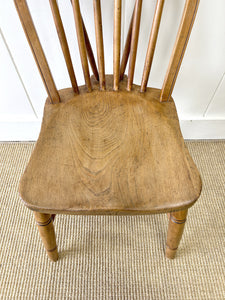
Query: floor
pixel 105 257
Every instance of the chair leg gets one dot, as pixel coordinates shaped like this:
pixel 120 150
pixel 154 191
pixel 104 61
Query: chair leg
pixel 47 233
pixel 175 231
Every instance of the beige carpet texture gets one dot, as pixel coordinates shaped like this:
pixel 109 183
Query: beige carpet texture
pixel 114 257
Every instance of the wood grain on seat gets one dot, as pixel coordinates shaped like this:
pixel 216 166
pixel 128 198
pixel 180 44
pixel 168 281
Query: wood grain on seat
pixel 109 152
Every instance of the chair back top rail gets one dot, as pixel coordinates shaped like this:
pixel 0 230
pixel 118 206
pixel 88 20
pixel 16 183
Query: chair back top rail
pixel 129 51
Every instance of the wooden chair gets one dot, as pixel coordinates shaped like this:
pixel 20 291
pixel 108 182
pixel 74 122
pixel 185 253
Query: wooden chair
pixel 110 147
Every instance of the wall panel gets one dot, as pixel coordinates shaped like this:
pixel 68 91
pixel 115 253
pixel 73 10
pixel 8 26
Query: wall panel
pixel 200 89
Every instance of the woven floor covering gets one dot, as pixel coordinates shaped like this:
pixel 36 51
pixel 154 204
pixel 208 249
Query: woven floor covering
pixel 114 257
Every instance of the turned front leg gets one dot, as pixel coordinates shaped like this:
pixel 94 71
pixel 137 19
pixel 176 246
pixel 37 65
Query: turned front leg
pixel 47 234
pixel 175 231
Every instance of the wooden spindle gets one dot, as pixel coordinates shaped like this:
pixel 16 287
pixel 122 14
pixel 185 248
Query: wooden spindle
pixel 81 43
pixel 189 14
pixel 38 53
pixel 99 42
pixel 152 44
pixel 126 50
pixel 63 43
pixel 134 43
pixel 90 53
pixel 116 44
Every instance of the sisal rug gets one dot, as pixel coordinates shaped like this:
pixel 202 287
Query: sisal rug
pixel 114 257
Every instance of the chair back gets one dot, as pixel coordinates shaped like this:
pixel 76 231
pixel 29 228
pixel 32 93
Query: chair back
pixel 119 64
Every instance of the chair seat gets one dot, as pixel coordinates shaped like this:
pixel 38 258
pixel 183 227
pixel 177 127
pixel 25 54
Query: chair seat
pixel 109 152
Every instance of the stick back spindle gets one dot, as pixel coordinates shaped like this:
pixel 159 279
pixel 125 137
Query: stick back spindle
pixel 37 50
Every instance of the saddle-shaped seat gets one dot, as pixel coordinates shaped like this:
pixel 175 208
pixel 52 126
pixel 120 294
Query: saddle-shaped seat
pixel 110 153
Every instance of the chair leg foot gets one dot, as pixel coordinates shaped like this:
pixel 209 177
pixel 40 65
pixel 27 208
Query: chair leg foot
pixel 175 231
pixel 47 234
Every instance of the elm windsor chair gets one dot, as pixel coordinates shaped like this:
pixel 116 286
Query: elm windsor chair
pixel 110 147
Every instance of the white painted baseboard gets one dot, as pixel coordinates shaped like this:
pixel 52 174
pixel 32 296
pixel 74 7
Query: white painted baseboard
pixel 19 131
pixel 191 129
pixel 203 129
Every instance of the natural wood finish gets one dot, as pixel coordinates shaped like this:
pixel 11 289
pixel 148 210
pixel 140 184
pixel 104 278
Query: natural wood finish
pixel 63 43
pixel 116 44
pixel 134 43
pixel 38 53
pixel 47 234
pixel 175 230
pixel 183 35
pixel 81 43
pixel 109 158
pixel 152 44
pixel 126 50
pixel 104 152
pixel 90 53
pixel 99 43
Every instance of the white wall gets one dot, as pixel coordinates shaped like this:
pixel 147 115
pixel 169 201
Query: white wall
pixel 199 92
